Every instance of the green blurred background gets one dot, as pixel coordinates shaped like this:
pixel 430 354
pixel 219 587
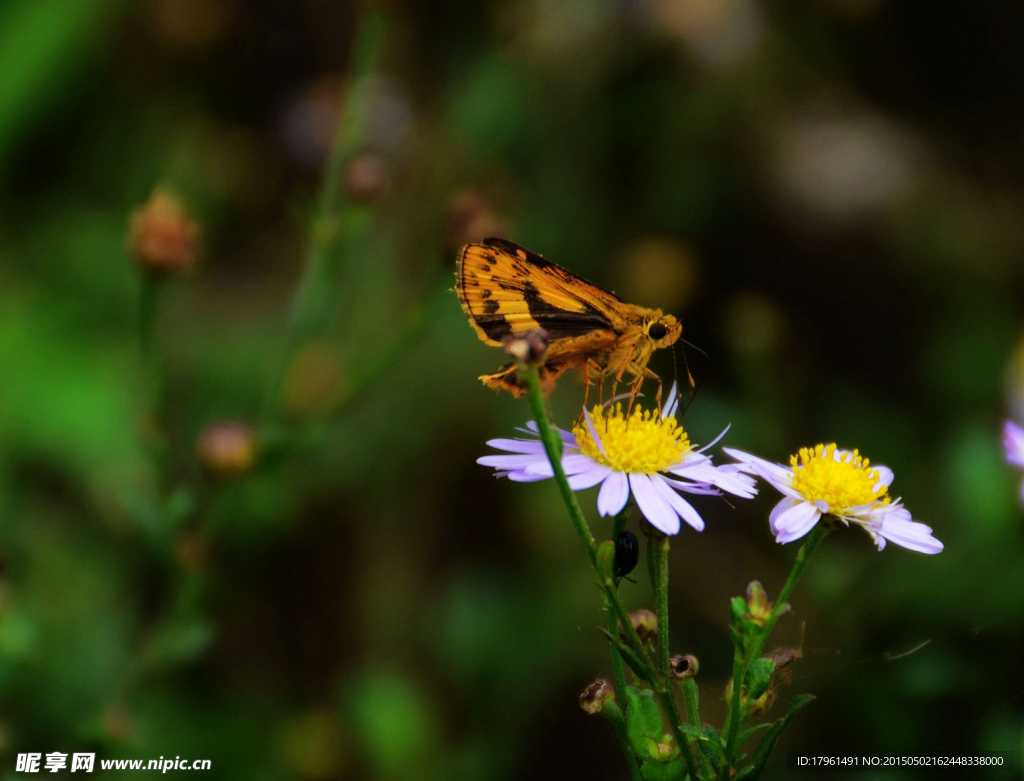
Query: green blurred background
pixel 828 193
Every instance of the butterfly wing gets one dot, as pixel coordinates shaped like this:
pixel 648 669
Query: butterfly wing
pixel 505 289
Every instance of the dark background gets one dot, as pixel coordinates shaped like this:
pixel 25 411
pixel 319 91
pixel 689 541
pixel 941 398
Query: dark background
pixel 829 194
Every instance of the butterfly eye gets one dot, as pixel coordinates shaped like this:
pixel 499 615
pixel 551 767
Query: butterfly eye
pixel 627 553
pixel 657 331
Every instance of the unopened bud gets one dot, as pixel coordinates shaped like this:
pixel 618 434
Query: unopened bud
pixel 758 606
pixel 683 666
pixel 162 239
pixel 644 622
pixel 596 696
pixel 228 449
pixel 749 707
pixel 368 177
pixel 528 348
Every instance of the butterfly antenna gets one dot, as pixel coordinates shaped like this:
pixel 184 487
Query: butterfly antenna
pixel 694 385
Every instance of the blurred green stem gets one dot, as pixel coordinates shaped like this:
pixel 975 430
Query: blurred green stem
pixel 658 549
pixel 741 662
pixel 553 447
pixel 618 670
pixel 334 225
pixel 152 287
pixel 691 698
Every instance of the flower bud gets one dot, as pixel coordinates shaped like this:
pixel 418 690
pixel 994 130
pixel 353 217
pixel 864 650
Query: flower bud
pixel 162 239
pixel 528 348
pixel 596 696
pixel 228 449
pixel 644 622
pixel 683 666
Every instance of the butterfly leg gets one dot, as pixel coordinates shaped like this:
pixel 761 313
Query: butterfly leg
pixel 657 396
pixel 635 385
pixel 585 369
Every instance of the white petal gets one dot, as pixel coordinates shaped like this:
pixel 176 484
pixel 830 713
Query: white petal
pixel 588 479
pixel 656 510
pixel 786 503
pixel 684 509
pixel 716 440
pixel 572 464
pixel 673 402
pixel 525 477
pixel 517 445
pixel 593 433
pixel 567 436
pixel 1013 443
pixel 614 494
pixel 776 474
pixel 701 489
pixel 908 534
pixel 885 475
pixel 727 479
pixel 795 522
pixel 512 462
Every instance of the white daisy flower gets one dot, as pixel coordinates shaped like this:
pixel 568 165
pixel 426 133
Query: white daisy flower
pixel 1013 447
pixel 647 456
pixel 827 481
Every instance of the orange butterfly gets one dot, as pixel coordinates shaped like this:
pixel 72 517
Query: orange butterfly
pixel 506 290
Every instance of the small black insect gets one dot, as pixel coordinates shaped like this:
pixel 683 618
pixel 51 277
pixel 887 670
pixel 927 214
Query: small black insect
pixel 627 553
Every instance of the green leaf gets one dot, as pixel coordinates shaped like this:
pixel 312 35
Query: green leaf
pixel 641 669
pixel 643 720
pixel 712 746
pixel 759 677
pixel 747 734
pixel 758 762
pixel 738 609
pixel 674 770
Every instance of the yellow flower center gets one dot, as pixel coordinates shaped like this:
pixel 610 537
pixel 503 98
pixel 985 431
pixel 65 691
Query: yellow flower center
pixel 644 442
pixel 851 482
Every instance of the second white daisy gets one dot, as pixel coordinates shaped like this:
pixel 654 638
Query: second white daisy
pixel 825 480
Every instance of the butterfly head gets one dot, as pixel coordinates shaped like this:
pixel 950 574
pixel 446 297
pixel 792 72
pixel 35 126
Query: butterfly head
pixel 663 330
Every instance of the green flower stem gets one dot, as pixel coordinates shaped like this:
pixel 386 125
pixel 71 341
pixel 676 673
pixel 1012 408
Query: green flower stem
pixel 732 720
pixel 614 714
pixel 154 441
pixel 741 663
pixel 337 222
pixel 819 533
pixel 675 718
pixel 660 548
pixel 691 698
pixel 661 605
pixel 149 306
pixel 553 447
pixel 617 668
pixel 616 610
